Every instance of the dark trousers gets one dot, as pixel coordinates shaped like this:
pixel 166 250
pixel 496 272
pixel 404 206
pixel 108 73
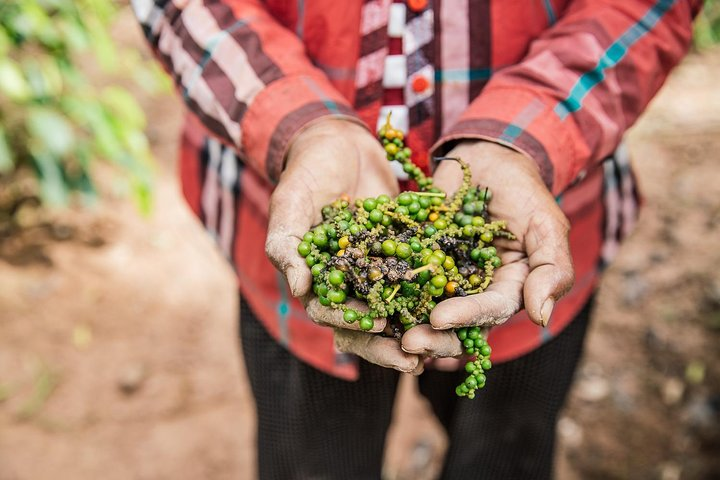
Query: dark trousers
pixel 314 426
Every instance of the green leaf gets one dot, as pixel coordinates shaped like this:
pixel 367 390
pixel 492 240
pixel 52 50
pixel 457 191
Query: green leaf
pixel 7 162
pixel 124 107
pixel 51 130
pixel 74 34
pixel 142 194
pixel 102 44
pixel 5 42
pixel 12 81
pixel 52 183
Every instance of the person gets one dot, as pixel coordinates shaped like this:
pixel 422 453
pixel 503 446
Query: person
pixel 284 98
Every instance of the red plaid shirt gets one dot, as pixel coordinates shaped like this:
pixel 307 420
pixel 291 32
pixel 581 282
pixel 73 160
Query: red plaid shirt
pixel 558 80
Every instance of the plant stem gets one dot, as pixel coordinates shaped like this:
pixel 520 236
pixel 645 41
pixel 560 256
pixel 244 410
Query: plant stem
pixel 430 194
pixel 395 290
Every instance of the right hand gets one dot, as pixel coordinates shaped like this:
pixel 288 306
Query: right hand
pixel 326 160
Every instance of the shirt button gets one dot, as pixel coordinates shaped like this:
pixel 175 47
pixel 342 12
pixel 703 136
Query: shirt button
pixel 420 84
pixel 417 5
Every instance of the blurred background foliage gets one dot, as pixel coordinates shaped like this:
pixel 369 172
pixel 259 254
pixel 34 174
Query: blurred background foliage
pixel 55 125
pixel 707 25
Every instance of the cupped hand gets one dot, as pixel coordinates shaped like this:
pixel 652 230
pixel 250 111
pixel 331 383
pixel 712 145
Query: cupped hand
pixel 331 158
pixel 537 267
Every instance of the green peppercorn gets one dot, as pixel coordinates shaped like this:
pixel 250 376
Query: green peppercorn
pixel 389 247
pixel 320 239
pixel 322 290
pixel 366 323
pixel 317 269
pixel 486 237
pixel 375 216
pixel 350 316
pixel 478 221
pixel 404 199
pixel 486 253
pixel 439 281
pixel 369 204
pixel 440 224
pixel 461 333
pixel 304 248
pixel 381 199
pixel 403 250
pixel 336 277
pixel 435 292
pixel 465 220
pixel 336 296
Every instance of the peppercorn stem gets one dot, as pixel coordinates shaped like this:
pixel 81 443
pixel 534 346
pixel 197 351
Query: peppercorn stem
pixel 395 290
pixel 430 194
pixel 429 266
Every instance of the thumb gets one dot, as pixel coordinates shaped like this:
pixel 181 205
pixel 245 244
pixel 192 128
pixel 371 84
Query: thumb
pixel 551 269
pixel 291 216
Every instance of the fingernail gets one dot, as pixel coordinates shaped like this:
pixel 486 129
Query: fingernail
pixel 292 280
pixel 411 352
pixel 546 310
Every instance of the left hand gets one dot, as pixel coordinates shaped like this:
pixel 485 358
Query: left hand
pixel 537 267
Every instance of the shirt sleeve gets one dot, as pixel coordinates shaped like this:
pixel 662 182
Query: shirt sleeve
pixel 244 75
pixel 583 83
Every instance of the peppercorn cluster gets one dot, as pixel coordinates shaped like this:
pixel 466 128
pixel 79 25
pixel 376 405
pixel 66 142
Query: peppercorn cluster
pixel 403 255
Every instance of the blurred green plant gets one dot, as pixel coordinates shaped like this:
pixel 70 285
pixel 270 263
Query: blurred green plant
pixel 707 25
pixel 52 119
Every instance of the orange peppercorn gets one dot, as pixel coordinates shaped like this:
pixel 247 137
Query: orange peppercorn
pixel 450 288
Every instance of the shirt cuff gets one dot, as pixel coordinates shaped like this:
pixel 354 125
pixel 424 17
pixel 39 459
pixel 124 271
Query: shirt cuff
pixel 524 121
